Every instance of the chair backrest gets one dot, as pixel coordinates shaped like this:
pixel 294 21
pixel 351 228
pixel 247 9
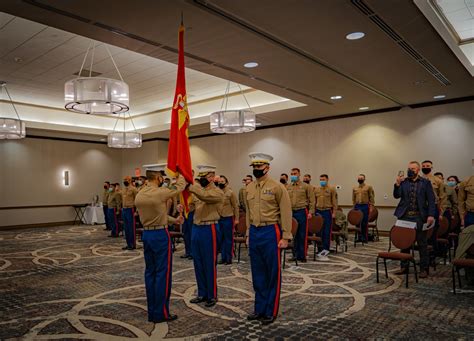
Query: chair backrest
pixel 429 233
pixel 354 217
pixel 242 226
pixel 176 228
pixel 454 222
pixel 443 227
pixel 294 226
pixel 373 215
pixel 470 251
pixel 402 237
pixel 315 224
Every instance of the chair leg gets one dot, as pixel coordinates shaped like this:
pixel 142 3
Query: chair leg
pixel 355 239
pixel 454 280
pixel 408 272
pixel 345 243
pixel 385 265
pixel 416 271
pixel 377 268
pixel 449 254
pixel 459 277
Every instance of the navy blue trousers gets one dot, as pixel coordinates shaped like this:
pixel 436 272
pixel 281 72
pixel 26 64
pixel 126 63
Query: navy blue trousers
pixel 128 217
pixel 187 233
pixel 113 221
pixel 364 231
pixel 326 231
pixel 204 244
pixel 106 218
pixel 301 239
pixel 158 272
pixel 265 261
pixel 469 219
pixel 226 232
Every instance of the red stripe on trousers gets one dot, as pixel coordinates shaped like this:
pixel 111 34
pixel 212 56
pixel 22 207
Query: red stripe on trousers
pixel 214 252
pixel 306 235
pixel 167 274
pixel 277 297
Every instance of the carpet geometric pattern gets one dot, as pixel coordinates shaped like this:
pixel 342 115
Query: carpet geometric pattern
pixel 73 282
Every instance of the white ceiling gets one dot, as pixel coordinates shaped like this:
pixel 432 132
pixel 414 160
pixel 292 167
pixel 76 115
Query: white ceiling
pixel 36 61
pixel 460 14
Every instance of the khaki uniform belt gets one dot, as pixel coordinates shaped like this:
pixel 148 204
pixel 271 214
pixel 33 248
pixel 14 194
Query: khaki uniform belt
pixel 297 209
pixel 324 209
pixel 265 223
pixel 154 227
pixel 208 222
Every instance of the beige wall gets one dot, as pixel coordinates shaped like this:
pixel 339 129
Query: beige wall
pixel 31 174
pixel 377 145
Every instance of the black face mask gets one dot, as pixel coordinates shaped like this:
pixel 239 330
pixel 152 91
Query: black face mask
pixel 360 181
pixel 411 173
pixel 204 182
pixel 426 170
pixel 125 183
pixel 221 186
pixel 306 181
pixel 283 181
pixel 258 173
pixel 105 187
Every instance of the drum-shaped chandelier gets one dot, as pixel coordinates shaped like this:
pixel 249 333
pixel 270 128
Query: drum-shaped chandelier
pixel 96 95
pixel 232 121
pixel 124 139
pixel 10 128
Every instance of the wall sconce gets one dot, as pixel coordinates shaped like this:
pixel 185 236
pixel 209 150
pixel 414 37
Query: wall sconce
pixel 66 178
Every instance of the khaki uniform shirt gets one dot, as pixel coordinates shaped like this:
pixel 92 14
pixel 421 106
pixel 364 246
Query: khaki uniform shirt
pixel 363 194
pixel 452 199
pixel 128 196
pixel 466 196
pixel 326 197
pixel 209 203
pixel 267 202
pixel 105 197
pixel 439 190
pixel 230 207
pixel 114 200
pixel 151 203
pixel 301 196
pixel 242 197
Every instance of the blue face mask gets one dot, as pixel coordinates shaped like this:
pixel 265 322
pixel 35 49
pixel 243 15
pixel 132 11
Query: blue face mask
pixel 294 178
pixel 323 183
pixel 452 183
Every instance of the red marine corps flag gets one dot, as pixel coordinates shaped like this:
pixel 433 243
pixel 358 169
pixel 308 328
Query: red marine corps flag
pixel 179 157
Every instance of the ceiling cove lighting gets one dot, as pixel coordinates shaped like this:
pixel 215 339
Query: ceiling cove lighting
pixel 439 96
pixel 232 121
pixel 96 95
pixel 250 65
pixel 336 97
pixel 364 108
pixel 11 128
pixel 355 35
pixel 124 139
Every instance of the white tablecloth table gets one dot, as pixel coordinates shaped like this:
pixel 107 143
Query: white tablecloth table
pixel 93 215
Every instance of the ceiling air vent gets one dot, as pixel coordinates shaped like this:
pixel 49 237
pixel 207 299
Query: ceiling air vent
pixel 368 12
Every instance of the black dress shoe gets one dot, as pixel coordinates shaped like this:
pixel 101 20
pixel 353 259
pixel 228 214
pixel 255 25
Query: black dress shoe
pixel 302 260
pixel 210 303
pixel 198 299
pixel 292 259
pixel 267 320
pixel 228 263
pixel 184 256
pixel 169 319
pixel 254 317
pixel 125 248
pixel 190 257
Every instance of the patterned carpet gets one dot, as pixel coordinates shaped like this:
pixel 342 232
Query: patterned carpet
pixel 75 283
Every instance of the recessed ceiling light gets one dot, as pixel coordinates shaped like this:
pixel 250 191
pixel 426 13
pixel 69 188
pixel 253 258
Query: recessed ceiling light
pixel 102 139
pixel 336 97
pixel 439 96
pixel 258 124
pixel 363 108
pixel 355 35
pixel 250 65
